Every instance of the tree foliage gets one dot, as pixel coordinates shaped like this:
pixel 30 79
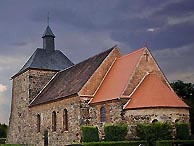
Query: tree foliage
pixel 182 131
pixel 186 92
pixel 3 130
pixel 183 90
pixel 151 132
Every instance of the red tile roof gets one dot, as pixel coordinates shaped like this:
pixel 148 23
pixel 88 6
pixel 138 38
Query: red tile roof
pixel 152 92
pixel 117 78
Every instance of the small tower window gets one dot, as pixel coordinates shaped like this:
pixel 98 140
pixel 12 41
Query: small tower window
pixel 102 114
pixel 65 120
pixel 38 122
pixel 54 121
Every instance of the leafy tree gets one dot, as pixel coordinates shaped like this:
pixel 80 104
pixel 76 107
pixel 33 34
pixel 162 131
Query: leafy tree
pixel 182 131
pixel 186 92
pixel 3 130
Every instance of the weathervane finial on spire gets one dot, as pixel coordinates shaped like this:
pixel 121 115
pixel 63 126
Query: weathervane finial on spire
pixel 48 19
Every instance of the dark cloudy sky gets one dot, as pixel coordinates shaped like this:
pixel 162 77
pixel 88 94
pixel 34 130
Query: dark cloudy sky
pixel 86 27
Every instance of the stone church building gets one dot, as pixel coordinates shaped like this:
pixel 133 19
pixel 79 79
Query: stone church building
pixel 52 97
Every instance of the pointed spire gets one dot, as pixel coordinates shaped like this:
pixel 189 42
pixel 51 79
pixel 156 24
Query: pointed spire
pixel 48 40
pixel 48 32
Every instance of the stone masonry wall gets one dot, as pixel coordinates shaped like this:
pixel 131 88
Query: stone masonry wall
pixel 60 137
pixel 93 83
pixel 147 115
pixel 114 113
pixel 24 88
pixel 19 109
pixel 38 79
pixel 84 111
pixel 144 66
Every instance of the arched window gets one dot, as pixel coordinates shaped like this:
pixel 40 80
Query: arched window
pixel 54 121
pixel 102 114
pixel 65 120
pixel 154 121
pixel 38 122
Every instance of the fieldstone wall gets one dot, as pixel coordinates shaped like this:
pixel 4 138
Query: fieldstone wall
pixel 60 137
pixel 147 115
pixel 24 88
pixel 18 121
pixel 38 79
pixel 114 113
pixel 84 111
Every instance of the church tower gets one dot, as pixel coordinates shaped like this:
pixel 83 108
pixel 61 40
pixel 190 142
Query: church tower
pixel 48 40
pixel 27 83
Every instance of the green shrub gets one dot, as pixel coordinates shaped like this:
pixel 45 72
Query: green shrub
pixel 171 142
pixel 115 132
pixel 154 131
pixel 182 131
pixel 117 143
pixel 89 134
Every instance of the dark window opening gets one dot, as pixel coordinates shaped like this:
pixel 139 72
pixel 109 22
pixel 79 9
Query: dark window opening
pixel 65 120
pixel 54 121
pixel 103 114
pixel 38 122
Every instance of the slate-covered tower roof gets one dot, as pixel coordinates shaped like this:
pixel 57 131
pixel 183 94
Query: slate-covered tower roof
pixel 47 58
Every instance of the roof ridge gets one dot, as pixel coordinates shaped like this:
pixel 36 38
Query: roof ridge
pixel 89 58
pixel 131 53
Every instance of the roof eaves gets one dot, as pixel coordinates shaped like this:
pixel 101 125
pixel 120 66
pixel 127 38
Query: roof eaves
pixel 19 73
pixel 28 63
pixel 51 101
pixel 102 101
pixel 146 107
